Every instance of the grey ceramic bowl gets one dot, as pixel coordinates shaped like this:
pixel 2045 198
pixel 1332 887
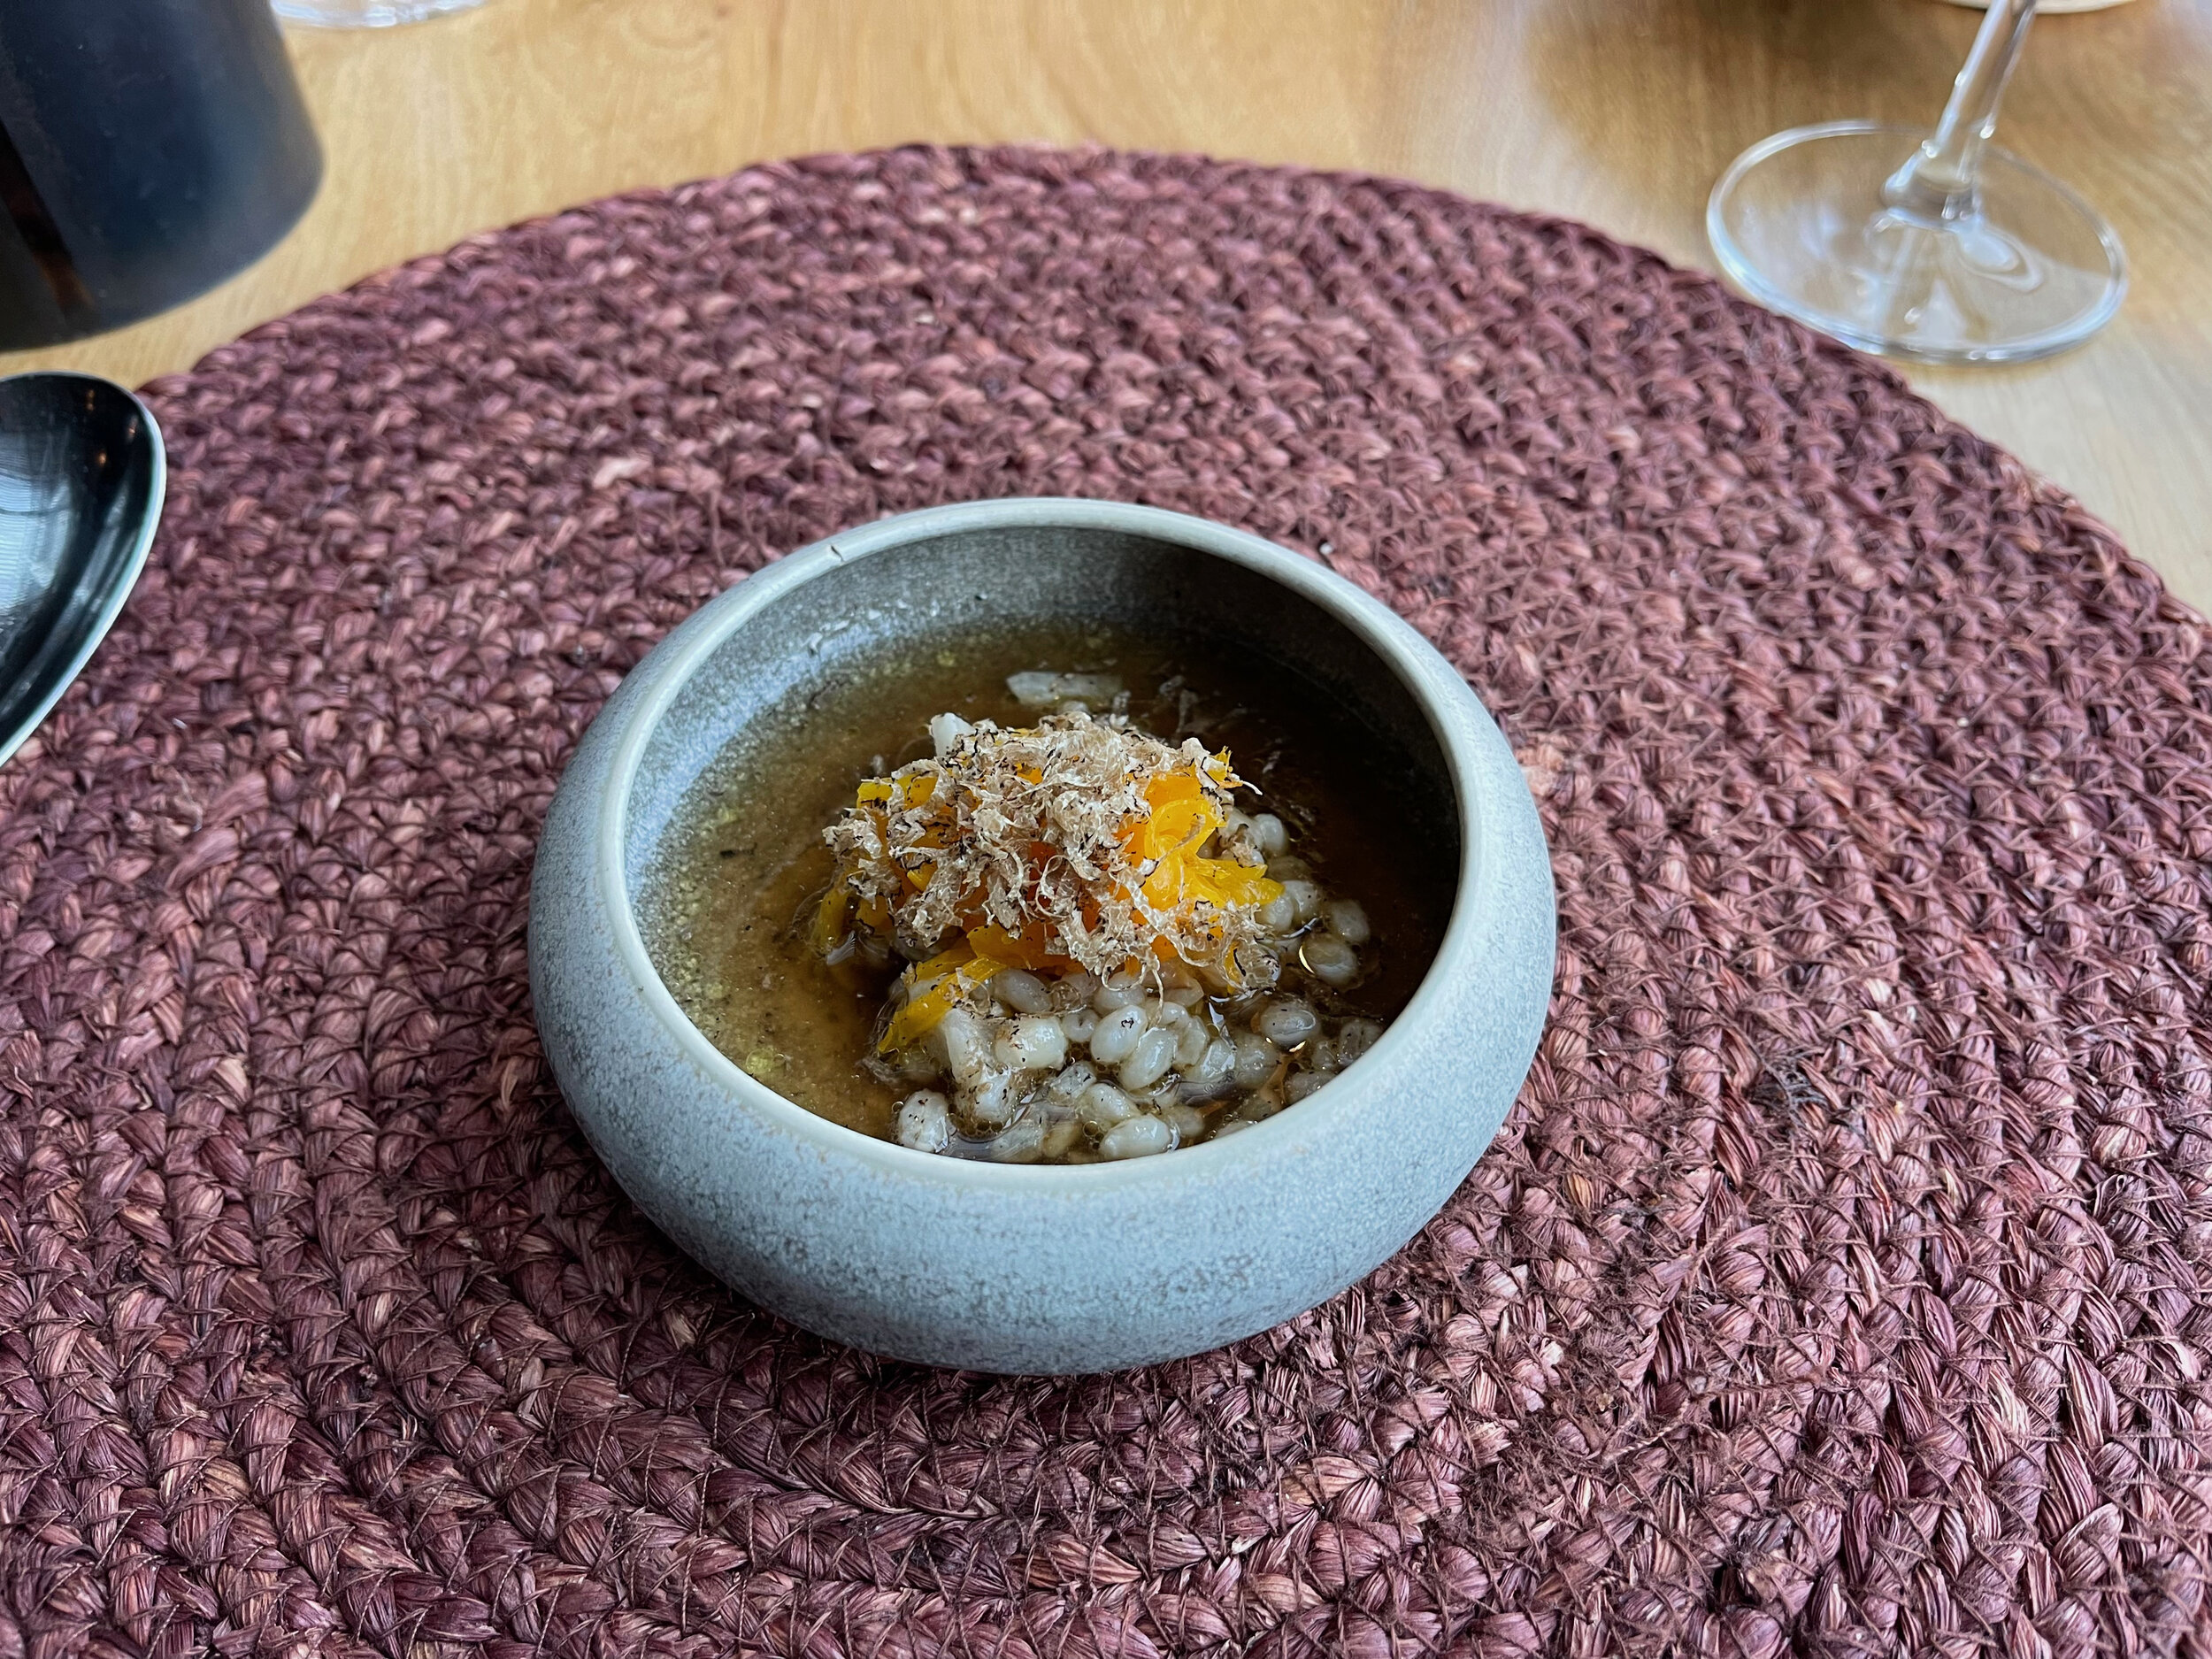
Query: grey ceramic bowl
pixel 1015 1268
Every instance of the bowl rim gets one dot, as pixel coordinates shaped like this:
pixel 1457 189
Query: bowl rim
pixel 1418 665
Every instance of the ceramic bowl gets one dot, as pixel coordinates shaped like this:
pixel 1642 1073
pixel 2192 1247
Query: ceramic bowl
pixel 1031 1268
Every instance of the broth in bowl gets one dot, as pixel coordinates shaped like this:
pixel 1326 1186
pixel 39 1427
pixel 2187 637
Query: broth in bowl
pixel 1051 895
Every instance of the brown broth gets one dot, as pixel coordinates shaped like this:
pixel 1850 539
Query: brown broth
pixel 726 912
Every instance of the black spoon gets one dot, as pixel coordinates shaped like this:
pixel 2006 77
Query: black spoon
pixel 82 476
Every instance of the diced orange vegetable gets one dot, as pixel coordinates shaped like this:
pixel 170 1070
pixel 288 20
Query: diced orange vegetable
pixel 1168 837
pixel 1181 826
pixel 829 917
pixel 1224 882
pixel 1180 816
pixel 1015 950
pixel 956 954
pixel 907 791
pixel 1187 880
pixel 932 987
pixel 940 984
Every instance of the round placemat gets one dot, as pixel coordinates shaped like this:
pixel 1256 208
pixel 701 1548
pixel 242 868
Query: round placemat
pixel 1836 1285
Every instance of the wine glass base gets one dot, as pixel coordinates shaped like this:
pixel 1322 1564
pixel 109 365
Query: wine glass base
pixel 1800 225
pixel 367 14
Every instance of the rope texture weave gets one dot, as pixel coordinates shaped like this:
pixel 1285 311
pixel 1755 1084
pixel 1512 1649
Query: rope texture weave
pixel 1838 1284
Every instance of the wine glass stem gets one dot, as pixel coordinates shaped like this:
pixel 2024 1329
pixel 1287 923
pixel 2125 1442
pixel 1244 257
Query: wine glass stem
pixel 1939 182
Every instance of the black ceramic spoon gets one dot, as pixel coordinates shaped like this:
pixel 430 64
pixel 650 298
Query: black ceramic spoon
pixel 82 476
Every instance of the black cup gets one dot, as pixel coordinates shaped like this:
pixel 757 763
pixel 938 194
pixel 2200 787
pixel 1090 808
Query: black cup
pixel 149 149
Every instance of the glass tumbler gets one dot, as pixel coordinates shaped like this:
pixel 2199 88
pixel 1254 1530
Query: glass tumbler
pixel 148 151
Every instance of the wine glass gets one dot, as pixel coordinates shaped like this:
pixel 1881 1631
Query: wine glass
pixel 1941 249
pixel 373 14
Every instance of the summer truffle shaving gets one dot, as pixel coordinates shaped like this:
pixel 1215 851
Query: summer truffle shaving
pixel 1093 950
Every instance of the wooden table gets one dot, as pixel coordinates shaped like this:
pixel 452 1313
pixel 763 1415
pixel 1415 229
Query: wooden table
pixel 1621 112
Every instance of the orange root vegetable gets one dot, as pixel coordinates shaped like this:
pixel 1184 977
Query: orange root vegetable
pixel 1077 843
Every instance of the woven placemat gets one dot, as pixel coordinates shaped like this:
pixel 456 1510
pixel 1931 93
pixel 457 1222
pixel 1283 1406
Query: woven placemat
pixel 1838 1283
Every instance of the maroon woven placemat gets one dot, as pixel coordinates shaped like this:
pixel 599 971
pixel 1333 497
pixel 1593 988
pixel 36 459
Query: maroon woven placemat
pixel 1839 1282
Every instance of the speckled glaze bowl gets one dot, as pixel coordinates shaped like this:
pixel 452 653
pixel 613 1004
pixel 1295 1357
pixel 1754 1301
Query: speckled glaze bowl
pixel 1031 1268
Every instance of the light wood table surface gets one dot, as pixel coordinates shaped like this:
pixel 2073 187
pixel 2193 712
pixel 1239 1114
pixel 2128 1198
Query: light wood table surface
pixel 1621 112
